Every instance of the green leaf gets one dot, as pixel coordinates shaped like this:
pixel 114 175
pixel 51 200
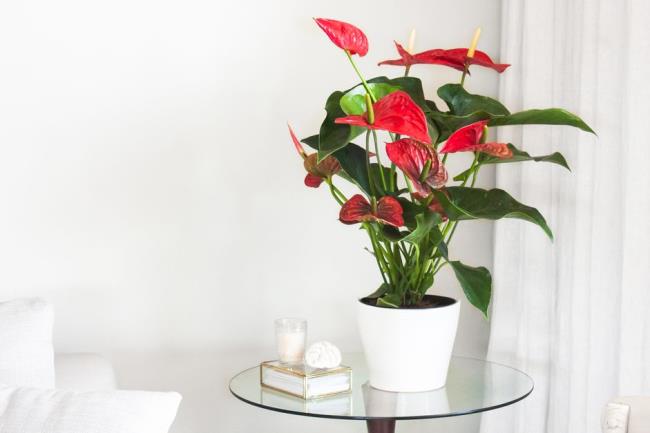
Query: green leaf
pixel 462 103
pixel 517 156
pixel 376 177
pixel 392 300
pixel 410 210
pixel 426 222
pixel 381 290
pixel 476 284
pixel 353 162
pixel 548 116
pixel 520 155
pixel 392 234
pixel 449 123
pixel 333 136
pixel 463 203
pixel 411 85
pixel 354 100
pixel 311 141
pixel 460 177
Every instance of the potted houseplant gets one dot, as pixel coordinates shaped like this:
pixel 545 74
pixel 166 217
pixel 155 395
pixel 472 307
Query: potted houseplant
pixel 408 204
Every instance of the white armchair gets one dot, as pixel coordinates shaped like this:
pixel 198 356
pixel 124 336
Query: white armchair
pixel 627 415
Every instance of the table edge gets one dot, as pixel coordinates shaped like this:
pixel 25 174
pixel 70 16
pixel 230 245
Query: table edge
pixel 398 418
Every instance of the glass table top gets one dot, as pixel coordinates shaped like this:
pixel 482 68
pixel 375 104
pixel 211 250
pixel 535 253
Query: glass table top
pixel 472 386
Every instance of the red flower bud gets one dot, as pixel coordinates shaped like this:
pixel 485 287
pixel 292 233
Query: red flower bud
pixel 344 35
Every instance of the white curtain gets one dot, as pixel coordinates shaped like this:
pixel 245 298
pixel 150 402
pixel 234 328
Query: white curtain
pixel 575 313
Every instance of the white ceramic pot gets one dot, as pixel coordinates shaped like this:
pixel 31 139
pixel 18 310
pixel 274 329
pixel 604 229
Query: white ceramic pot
pixel 408 349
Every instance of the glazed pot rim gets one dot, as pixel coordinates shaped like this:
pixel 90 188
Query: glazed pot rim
pixel 446 302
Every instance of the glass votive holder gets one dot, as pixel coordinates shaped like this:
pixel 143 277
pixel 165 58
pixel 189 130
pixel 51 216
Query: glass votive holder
pixel 291 338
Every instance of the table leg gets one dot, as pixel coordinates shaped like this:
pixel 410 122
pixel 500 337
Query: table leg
pixel 381 425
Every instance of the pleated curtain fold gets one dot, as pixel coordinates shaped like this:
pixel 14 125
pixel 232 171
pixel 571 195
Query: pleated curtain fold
pixel 575 313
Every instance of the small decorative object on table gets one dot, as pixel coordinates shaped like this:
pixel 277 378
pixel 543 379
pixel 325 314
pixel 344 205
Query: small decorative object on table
pixel 323 354
pixel 304 381
pixel 410 208
pixel 291 338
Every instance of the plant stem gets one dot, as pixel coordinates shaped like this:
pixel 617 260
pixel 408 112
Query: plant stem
pixel 450 227
pixel 372 185
pixel 381 167
pixel 363 80
pixel 336 193
pixel 376 249
pixel 462 78
pixel 336 197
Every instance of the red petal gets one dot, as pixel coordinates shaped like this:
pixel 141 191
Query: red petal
pixel 500 150
pixel 454 58
pixel 296 143
pixel 389 211
pixel 355 120
pixel 482 59
pixel 313 181
pixel 435 206
pixel 397 113
pixel 356 209
pixel 406 59
pixel 439 57
pixel 344 35
pixel 439 179
pixel 465 138
pixel 410 157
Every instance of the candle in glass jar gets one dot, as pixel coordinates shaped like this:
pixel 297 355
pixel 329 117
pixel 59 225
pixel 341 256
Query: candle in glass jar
pixel 291 337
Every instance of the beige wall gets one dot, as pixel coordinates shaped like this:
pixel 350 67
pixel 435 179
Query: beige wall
pixel 149 188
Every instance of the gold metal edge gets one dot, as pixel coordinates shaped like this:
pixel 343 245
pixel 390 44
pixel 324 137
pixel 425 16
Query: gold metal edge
pixel 340 369
pixel 317 397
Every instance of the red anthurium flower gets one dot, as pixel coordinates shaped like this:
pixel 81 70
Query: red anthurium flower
pixel 454 58
pixel 397 113
pixel 358 209
pixel 436 206
pixel 411 157
pixel 316 172
pixel 467 139
pixel 344 35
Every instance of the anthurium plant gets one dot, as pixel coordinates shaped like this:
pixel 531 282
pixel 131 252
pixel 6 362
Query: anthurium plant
pixel 409 205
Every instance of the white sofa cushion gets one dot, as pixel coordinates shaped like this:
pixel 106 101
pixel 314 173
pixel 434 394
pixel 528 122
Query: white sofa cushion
pixel 26 353
pixel 31 410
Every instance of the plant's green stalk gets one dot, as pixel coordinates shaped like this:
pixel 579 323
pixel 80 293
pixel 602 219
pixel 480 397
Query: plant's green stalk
pixel 462 78
pixel 381 167
pixel 425 171
pixel 363 80
pixel 392 181
pixel 334 191
pixel 338 195
pixel 372 185
pixel 435 270
pixel 375 248
pixel 450 227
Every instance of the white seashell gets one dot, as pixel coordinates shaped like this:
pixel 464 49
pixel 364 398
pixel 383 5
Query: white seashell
pixel 323 354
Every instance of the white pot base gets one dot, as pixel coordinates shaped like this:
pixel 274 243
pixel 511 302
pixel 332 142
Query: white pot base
pixel 408 350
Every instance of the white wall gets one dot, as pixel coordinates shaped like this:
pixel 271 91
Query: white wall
pixel 149 189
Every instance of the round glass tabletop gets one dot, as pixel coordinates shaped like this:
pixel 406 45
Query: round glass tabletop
pixel 472 386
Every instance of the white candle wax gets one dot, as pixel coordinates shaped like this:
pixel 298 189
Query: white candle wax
pixel 291 346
